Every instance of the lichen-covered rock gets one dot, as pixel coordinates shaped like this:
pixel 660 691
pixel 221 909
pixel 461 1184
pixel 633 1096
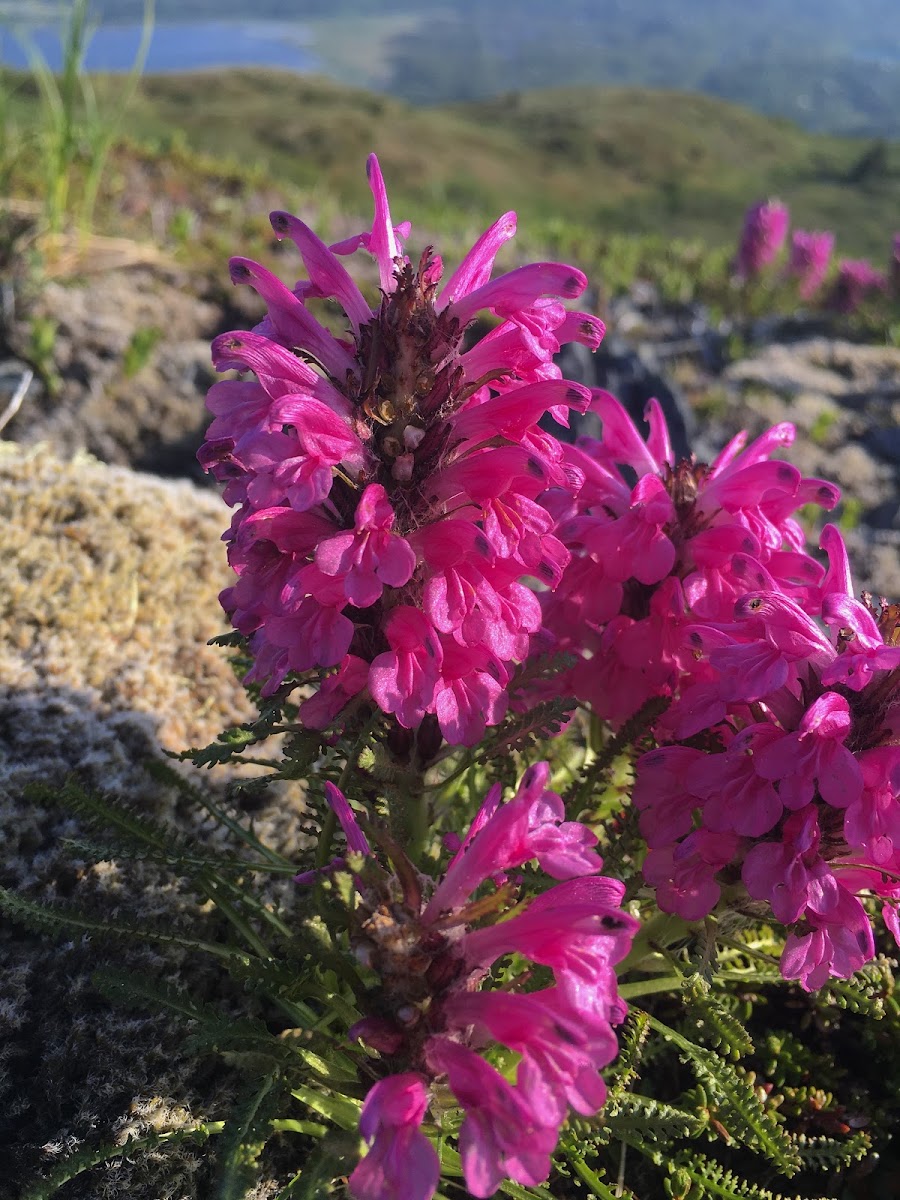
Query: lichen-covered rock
pixel 844 399
pixel 108 583
pixel 126 369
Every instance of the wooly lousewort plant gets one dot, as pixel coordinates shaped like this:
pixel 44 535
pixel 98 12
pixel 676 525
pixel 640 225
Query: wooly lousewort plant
pixel 605 766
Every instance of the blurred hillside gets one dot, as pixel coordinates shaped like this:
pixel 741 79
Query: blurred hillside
pixel 830 65
pixel 579 164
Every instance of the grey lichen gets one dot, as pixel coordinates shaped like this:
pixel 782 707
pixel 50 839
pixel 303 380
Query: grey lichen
pixel 108 583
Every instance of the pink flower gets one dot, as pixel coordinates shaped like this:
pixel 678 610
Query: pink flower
pixel 418 461
pixel 401 1160
pixel 765 228
pixel 840 940
pixel 469 694
pixel 738 797
pixel 685 874
pixel 809 260
pixel 531 825
pixel 814 755
pixel 782 872
pixel 336 692
pixel 856 280
pixel 560 1052
pixel 403 680
pixel 434 1015
pixel 659 566
pixel 500 1137
pixel 371 556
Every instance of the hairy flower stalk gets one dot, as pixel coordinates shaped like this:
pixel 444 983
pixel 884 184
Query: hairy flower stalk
pixel 385 482
pixel 438 1024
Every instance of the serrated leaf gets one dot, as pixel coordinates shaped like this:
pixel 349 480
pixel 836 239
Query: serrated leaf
pixel 56 920
pixel 739 1107
pixel 245 1136
pixel 84 1160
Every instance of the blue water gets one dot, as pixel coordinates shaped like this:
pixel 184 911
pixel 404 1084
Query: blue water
pixel 175 47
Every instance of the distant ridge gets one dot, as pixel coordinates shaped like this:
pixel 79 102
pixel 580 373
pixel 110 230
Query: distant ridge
pixel 831 65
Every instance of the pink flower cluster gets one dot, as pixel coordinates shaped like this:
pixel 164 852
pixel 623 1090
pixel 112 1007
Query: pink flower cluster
pixel 660 544
pixel 431 1022
pixel 809 260
pixel 856 280
pixel 797 789
pixel 762 237
pixel 765 228
pixel 386 481
pixel 779 758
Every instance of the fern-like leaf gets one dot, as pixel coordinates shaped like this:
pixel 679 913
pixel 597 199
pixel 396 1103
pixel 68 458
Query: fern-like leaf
pixel 633 729
pixel 84 1160
pixel 712 1020
pixel 214 1030
pixel 738 1106
pixel 832 1154
pixel 632 1041
pixel 105 814
pixel 867 992
pixel 246 1132
pixel 520 731
pixel 164 773
pixel 652 1120
pixel 58 921
pixel 707 1178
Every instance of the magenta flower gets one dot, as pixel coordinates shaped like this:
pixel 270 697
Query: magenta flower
pixel 839 940
pixel 763 235
pixel 387 481
pixel 436 1018
pixel 803 754
pixel 815 756
pixel 648 600
pixel 401 1161
pixel 809 260
pixel 692 589
pixel 857 279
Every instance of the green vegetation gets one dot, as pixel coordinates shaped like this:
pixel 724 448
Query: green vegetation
pixel 70 125
pixel 582 166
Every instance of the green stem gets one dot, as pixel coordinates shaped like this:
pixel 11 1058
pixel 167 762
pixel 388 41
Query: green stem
pixel 409 815
pixel 326 837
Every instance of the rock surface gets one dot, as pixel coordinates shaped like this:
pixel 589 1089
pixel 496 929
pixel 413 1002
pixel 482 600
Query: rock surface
pixel 108 582
pixel 844 399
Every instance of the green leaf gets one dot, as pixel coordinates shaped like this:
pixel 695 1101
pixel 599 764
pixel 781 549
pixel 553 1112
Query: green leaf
pixel 340 1110
pixel 246 1134
pixel 714 1023
pixel 720 1183
pixel 601 1190
pixel 651 1119
pixel 78 1163
pixel 738 1106
pixel 58 921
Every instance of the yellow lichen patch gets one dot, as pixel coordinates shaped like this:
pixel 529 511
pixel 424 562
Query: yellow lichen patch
pixel 108 586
